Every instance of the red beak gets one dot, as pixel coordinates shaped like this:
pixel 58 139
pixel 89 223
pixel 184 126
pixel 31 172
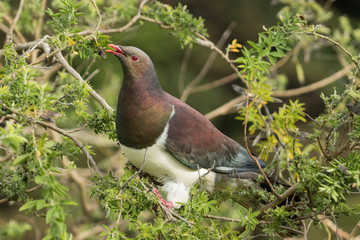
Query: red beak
pixel 116 50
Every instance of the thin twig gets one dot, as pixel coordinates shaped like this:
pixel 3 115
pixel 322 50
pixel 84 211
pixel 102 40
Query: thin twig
pixel 222 218
pixel 77 143
pixel 78 178
pixel 16 19
pixel 315 34
pixel 37 45
pixel 355 230
pixel 282 197
pixel 77 76
pixel 38 29
pixel 183 68
pixel 314 86
pixel 19 37
pixel 58 130
pixel 99 15
pixel 136 173
pixel 78 129
pixel 249 152
pixel 27 191
pixel 333 227
pixel 136 18
pixel 208 63
pixel 216 83
pixel 225 108
pixel 203 41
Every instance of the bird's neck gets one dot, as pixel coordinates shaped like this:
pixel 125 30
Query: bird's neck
pixel 142 79
pixel 142 111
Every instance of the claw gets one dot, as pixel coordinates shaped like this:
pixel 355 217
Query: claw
pixel 169 205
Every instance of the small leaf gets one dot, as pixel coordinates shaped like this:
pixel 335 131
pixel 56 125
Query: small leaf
pixel 40 204
pixel 28 205
pixel 20 159
pixel 50 215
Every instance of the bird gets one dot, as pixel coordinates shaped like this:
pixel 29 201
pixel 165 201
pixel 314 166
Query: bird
pixel 170 140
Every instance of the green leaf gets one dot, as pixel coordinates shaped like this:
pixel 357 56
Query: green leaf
pixel 21 159
pixel 29 205
pixel 68 202
pixel 50 215
pixel 40 204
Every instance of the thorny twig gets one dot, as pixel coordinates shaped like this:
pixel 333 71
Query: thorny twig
pixel 77 143
pixel 249 152
pixel 77 76
pixel 62 132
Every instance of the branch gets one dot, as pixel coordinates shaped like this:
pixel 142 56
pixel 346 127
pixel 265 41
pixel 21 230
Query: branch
pixel 4 200
pixel 228 107
pixel 249 152
pixel 58 130
pixel 208 63
pixel 335 43
pixel 239 221
pixel 77 76
pixel 214 84
pixel 77 143
pixel 16 19
pixel 314 86
pixel 37 32
pixel 223 218
pixel 136 18
pixel 280 199
pixel 20 47
pixel 99 15
pixel 203 41
pixel 46 48
pixel 225 108
pixel 333 227
pixel 354 231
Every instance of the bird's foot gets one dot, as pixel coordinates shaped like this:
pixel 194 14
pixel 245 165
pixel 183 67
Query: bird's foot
pixel 169 205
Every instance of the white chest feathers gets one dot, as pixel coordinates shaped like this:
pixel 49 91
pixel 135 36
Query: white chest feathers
pixel 176 177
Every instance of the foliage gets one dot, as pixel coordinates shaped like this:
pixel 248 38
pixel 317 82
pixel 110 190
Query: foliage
pixel 14 230
pixel 41 159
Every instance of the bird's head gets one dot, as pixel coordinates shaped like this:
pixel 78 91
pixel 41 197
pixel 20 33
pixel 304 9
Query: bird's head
pixel 134 60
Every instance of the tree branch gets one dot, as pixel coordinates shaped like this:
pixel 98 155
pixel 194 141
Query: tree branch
pixel 77 143
pixel 208 63
pixel 77 76
pixel 58 130
pixel 225 108
pixel 16 19
pixel 214 84
pixel 136 18
pixel 314 86
pixel 249 152
pixel 4 200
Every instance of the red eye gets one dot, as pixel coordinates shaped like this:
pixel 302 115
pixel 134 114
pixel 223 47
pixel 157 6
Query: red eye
pixel 135 58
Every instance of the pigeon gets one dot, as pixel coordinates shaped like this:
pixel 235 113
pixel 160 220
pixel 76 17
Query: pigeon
pixel 171 141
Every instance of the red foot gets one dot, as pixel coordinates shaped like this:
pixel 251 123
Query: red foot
pixel 169 205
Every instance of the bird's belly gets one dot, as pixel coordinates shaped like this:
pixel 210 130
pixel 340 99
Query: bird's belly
pixel 160 164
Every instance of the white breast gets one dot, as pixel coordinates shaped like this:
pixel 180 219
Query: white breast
pixel 164 167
